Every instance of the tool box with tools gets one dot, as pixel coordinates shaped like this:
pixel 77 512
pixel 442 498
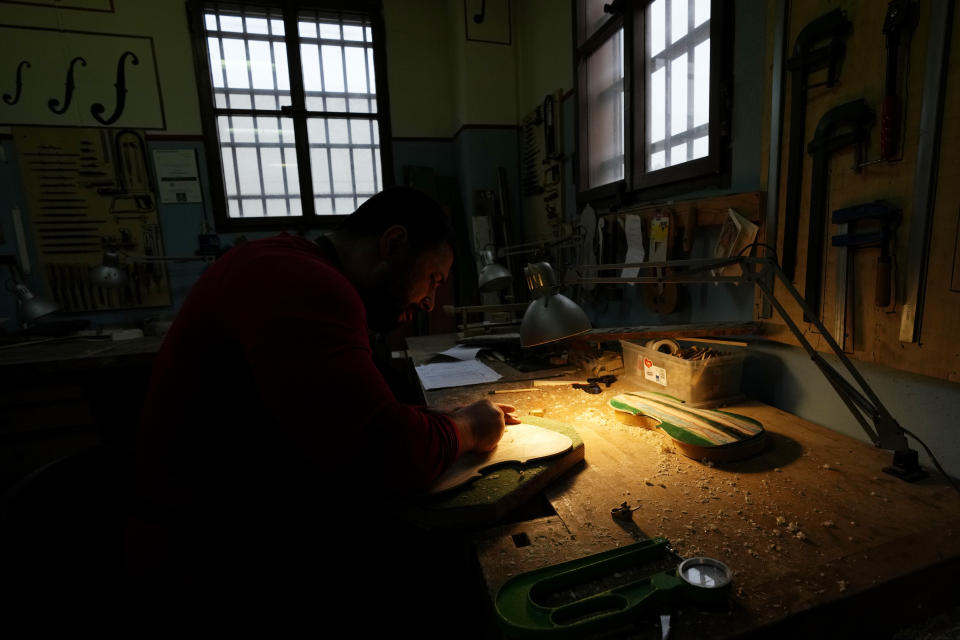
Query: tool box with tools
pixel 698 375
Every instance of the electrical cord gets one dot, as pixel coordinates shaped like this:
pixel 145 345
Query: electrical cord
pixel 936 462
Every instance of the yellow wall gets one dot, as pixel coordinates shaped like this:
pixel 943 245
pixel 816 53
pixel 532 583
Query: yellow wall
pixel 486 76
pixel 438 80
pixel 164 20
pixel 420 68
pixel 543 35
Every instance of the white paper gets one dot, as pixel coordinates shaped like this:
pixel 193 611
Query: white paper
pixel 461 352
pixel 177 177
pixel 633 228
pixel 441 375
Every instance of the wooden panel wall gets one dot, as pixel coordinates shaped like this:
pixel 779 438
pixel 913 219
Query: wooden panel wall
pixel 876 330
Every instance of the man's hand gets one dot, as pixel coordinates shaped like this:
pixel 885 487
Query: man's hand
pixel 481 425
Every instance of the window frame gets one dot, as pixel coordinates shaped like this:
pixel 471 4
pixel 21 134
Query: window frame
pixel 296 111
pixel 638 184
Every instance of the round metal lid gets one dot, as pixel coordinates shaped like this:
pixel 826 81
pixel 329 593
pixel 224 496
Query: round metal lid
pixel 704 573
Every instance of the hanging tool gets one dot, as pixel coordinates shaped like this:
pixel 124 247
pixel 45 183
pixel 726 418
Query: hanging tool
pixel 900 20
pixel 925 177
pixel 846 240
pixel 841 127
pixel 819 45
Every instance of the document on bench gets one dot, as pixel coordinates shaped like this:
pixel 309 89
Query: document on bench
pixel 461 352
pixel 441 375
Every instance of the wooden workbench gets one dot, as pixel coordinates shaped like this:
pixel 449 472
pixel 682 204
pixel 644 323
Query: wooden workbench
pixel 821 541
pixel 63 396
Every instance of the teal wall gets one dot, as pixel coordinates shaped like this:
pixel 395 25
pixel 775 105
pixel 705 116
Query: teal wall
pixel 786 378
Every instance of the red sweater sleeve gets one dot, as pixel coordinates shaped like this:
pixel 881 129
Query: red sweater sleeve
pixel 302 328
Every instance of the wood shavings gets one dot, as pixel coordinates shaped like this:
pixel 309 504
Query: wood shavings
pixel 843 585
pixel 801 536
pixel 829 524
pixel 793 527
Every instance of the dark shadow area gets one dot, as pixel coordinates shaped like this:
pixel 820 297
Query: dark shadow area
pixel 632 528
pixel 878 613
pixel 778 452
pixel 762 376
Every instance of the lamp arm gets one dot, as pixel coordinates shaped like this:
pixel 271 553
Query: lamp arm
pixel 571 240
pixel 860 399
pixel 889 434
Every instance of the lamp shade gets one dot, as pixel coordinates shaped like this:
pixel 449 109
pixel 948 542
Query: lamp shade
pixel 31 307
pixel 493 276
pixel 551 316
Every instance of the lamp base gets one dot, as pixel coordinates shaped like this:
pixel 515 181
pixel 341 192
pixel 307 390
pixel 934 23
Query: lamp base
pixel 906 466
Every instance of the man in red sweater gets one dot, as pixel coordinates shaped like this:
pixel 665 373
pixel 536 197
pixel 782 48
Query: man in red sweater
pixel 268 436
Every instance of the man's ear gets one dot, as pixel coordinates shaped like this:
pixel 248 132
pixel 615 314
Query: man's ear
pixel 392 241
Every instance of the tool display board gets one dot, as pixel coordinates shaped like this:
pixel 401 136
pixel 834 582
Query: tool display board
pixel 88 191
pixel 541 169
pixel 873 332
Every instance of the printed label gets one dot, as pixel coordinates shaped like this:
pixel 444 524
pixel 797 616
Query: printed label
pixel 654 374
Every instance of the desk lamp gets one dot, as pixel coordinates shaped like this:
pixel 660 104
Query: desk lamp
pixel 551 316
pixel 882 429
pixel 30 307
pixel 494 276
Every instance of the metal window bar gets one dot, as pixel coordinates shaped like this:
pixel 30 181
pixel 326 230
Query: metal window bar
pixel 346 83
pixel 256 113
pixel 366 70
pixel 283 150
pixel 326 123
pixel 256 119
pixel 687 136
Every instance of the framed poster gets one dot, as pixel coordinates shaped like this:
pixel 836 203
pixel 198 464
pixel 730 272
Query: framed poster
pixel 60 78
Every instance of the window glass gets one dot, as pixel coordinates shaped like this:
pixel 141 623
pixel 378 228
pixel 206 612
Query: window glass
pixel 678 82
pixel 604 112
pixel 249 74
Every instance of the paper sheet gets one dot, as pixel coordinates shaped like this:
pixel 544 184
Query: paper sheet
pixel 441 375
pixel 461 352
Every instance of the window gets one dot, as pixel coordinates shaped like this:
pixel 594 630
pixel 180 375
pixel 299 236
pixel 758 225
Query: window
pixel 648 87
pixel 293 118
